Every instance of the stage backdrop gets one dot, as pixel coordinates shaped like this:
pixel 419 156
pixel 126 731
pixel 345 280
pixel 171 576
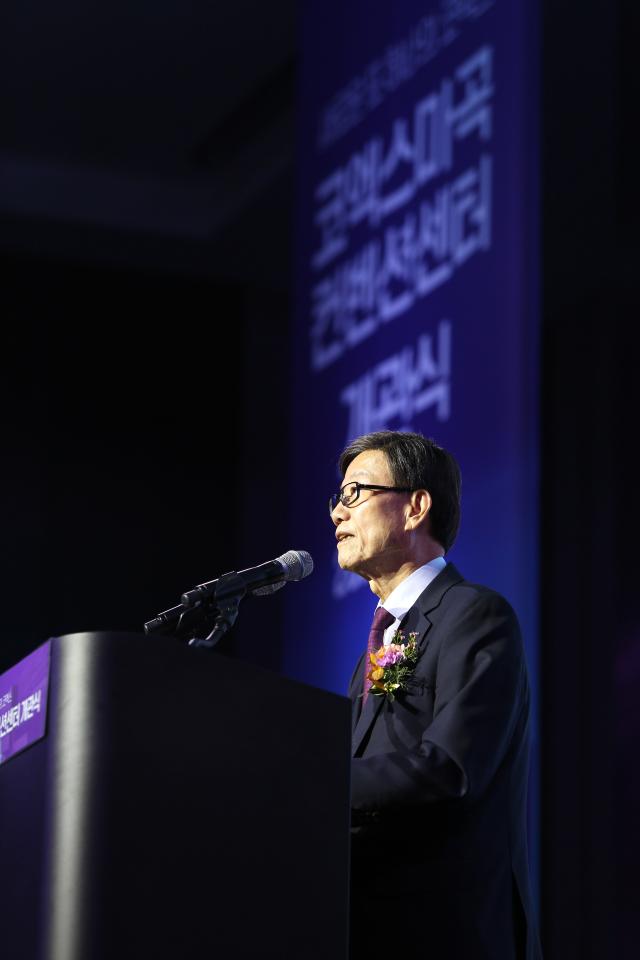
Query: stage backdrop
pixel 416 286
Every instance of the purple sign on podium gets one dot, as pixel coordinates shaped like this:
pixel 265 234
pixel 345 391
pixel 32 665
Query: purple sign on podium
pixel 23 702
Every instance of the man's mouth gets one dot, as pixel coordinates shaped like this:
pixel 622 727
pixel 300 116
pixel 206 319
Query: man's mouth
pixel 343 536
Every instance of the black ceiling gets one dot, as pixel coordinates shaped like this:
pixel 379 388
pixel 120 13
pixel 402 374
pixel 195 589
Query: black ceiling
pixel 163 118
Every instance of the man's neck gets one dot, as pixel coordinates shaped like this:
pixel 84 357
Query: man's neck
pixel 383 584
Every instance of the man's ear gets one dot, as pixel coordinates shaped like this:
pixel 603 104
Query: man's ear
pixel 418 509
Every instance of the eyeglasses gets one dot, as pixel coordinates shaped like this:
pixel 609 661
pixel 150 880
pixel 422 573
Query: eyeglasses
pixel 349 493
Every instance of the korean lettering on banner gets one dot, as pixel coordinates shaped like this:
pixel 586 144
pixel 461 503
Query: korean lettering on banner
pixel 19 713
pixel 422 227
pixel 400 61
pixel 410 381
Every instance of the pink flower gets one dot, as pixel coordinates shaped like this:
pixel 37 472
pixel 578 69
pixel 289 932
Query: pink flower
pixel 387 656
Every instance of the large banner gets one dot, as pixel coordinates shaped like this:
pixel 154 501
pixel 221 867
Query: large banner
pixel 416 289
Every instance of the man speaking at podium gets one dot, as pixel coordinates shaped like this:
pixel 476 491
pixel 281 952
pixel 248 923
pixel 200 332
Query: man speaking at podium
pixel 440 722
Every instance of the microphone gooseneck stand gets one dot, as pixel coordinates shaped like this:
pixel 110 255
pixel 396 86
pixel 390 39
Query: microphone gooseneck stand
pixel 209 610
pixel 190 620
pixel 231 590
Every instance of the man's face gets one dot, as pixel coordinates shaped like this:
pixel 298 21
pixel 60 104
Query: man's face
pixel 371 535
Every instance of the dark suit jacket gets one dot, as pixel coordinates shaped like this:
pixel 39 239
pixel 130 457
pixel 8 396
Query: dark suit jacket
pixel 439 783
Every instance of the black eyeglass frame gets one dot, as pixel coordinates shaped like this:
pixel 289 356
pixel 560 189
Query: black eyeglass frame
pixel 336 498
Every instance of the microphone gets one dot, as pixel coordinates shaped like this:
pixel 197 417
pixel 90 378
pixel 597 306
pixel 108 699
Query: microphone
pixel 260 580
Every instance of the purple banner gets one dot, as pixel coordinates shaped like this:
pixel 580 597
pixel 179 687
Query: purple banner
pixel 23 702
pixel 416 291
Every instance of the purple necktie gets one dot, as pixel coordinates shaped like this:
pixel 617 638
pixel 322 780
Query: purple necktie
pixel 381 620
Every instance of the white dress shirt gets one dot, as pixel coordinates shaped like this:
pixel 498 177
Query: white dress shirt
pixel 403 597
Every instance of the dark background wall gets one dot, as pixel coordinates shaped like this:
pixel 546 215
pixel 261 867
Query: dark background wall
pixel 145 243
pixel 146 198
pixel 590 622
pixel 141 410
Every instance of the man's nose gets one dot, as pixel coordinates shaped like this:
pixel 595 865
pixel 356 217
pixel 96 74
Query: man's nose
pixel 339 513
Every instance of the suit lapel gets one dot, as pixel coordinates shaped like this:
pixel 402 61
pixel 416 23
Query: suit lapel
pixel 367 715
pixel 413 621
pixel 416 620
pixel 355 691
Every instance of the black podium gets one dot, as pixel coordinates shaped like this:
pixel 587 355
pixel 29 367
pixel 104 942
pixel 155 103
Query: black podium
pixel 182 804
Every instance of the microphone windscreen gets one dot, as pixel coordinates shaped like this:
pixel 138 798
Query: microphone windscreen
pixel 298 564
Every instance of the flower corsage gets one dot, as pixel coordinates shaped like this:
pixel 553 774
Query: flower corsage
pixel 392 664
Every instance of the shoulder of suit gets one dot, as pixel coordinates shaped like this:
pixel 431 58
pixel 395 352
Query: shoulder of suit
pixel 450 586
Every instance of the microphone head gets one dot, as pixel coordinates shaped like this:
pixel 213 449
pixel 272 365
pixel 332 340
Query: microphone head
pixel 297 564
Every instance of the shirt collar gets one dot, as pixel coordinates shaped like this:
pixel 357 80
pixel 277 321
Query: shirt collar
pixel 403 597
